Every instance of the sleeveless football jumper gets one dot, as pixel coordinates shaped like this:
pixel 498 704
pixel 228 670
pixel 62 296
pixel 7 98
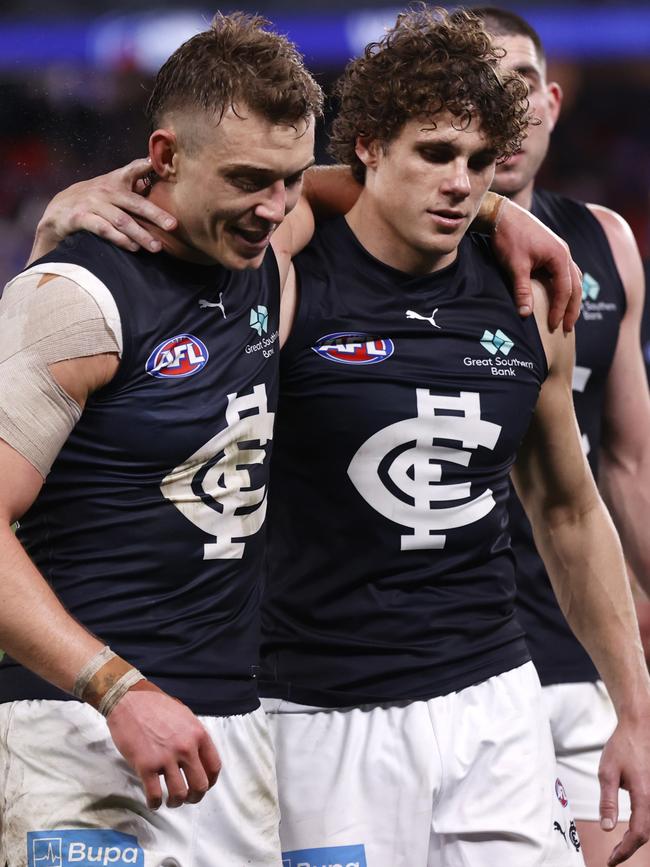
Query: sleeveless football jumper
pixel 557 654
pixel 150 526
pixel 403 402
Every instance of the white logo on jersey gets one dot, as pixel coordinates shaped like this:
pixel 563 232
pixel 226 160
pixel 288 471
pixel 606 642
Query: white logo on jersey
pixel 212 488
pixel 411 314
pixel 580 379
pixel 203 303
pixel 415 468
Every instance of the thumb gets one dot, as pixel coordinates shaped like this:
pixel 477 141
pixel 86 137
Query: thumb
pixel 522 291
pixel 608 802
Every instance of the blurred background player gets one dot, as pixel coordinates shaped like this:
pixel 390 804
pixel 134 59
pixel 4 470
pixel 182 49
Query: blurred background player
pixel 612 404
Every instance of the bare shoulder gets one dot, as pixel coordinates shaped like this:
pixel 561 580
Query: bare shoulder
pixel 559 346
pixel 625 251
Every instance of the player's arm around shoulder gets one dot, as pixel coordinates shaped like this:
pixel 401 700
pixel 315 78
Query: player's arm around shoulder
pixel 56 349
pixel 624 461
pixel 578 543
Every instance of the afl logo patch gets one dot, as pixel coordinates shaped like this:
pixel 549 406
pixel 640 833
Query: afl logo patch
pixel 560 791
pixel 179 357
pixel 349 347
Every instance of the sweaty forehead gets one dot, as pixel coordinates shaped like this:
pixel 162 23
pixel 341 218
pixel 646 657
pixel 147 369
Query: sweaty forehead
pixel 521 54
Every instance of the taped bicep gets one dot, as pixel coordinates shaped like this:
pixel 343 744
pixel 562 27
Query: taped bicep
pixel 43 322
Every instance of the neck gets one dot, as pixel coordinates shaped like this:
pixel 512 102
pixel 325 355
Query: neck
pixel 382 241
pixel 175 243
pixel 524 197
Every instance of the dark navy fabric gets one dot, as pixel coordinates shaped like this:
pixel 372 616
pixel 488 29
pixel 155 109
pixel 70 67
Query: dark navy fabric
pixel 150 526
pixel 557 654
pixel 403 401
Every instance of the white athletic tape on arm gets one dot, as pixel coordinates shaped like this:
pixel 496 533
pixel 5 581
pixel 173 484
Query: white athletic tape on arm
pixel 90 669
pixel 119 690
pixel 39 326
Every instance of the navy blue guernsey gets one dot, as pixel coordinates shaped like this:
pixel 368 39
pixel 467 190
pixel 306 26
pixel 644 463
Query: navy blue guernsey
pixel 402 403
pixel 557 654
pixel 151 525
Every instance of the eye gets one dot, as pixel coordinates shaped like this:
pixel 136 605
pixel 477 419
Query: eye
pixel 246 185
pixel 482 161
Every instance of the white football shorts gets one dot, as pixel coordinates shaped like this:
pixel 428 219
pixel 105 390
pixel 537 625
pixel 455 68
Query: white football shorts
pixel 69 799
pixel 582 719
pixel 464 779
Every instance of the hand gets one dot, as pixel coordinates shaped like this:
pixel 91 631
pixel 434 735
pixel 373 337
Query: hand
pixel 524 245
pixel 625 763
pixel 104 206
pixel 157 735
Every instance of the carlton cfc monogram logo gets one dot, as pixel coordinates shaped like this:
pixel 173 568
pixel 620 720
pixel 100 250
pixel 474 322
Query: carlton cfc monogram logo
pixel 216 487
pixel 399 470
pixel 177 357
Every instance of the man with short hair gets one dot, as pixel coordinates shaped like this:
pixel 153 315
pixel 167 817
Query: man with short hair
pixel 613 410
pixel 144 388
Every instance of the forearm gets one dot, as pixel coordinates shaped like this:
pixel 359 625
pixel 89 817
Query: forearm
pixel 625 486
pixel 330 190
pixel 44 241
pixel 35 629
pixel 585 562
pixel 488 214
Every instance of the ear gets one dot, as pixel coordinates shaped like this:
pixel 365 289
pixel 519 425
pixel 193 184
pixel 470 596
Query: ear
pixel 554 96
pixel 368 151
pixel 163 150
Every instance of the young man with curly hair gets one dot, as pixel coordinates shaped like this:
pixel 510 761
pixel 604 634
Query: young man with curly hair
pixel 407 716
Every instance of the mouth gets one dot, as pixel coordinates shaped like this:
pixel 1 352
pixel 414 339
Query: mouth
pixel 448 218
pixel 252 240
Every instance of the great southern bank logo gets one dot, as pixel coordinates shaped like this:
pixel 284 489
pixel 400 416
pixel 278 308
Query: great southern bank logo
pixel 497 342
pixel 177 357
pixel 330 856
pixel 79 848
pixel 259 319
pixel 347 347
pixel 590 287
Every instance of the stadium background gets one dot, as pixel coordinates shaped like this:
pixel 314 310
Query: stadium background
pixel 74 83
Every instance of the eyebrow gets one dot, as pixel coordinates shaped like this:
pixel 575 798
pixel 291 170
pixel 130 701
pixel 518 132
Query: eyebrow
pixel 250 169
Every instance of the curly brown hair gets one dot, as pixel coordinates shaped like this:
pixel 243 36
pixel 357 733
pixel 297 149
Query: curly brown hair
pixel 238 61
pixel 431 61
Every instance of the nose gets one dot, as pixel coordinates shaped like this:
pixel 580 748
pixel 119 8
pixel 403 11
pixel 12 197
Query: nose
pixel 457 182
pixel 274 203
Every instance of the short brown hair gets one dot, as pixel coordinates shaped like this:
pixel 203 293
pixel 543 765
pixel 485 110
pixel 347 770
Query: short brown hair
pixel 431 61
pixel 237 61
pixel 503 22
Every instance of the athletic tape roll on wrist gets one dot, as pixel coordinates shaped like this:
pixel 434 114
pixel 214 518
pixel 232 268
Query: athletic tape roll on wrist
pixel 104 680
pixel 90 669
pixel 119 690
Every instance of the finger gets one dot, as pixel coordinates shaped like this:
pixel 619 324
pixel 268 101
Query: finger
pixel 209 759
pixel 140 206
pixel 152 789
pixel 103 228
pixel 176 786
pixel 633 839
pixel 139 168
pixel 523 293
pixel 197 780
pixel 575 302
pixel 608 808
pixel 560 279
pixel 116 214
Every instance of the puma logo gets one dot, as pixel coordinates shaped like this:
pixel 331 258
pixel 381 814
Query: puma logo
pixel 411 314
